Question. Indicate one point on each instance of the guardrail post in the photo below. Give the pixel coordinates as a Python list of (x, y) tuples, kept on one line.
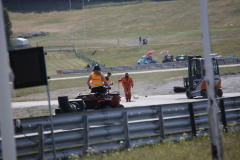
[(86, 133), (161, 122), (192, 119), (126, 130), (223, 115), (40, 142)]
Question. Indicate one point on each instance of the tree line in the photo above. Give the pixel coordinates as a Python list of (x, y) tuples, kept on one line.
[(8, 27), (51, 1)]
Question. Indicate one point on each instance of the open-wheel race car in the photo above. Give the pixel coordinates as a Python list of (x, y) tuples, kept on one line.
[(97, 100)]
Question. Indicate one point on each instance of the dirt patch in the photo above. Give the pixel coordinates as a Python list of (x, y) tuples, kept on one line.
[(32, 111)]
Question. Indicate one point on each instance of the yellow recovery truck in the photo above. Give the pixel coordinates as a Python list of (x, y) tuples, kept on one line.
[(195, 83)]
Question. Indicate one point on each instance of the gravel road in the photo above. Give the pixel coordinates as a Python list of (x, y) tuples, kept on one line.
[(230, 84)]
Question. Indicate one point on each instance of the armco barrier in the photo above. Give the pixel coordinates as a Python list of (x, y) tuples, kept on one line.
[(147, 66), (100, 130)]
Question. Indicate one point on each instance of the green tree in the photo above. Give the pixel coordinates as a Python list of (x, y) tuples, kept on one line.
[(8, 27)]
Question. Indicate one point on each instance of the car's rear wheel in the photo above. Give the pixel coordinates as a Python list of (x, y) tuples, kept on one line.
[(188, 94)]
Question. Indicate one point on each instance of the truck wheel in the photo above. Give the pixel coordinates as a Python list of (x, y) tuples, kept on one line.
[(220, 93), (188, 94), (204, 94)]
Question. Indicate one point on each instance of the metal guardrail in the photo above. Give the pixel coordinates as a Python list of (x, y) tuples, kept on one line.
[(100, 130), (141, 67), (85, 58), (60, 50)]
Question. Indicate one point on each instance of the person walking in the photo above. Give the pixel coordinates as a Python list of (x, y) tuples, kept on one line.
[(96, 80), (127, 83)]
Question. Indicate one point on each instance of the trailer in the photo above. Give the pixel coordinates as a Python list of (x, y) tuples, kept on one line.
[(20, 42)]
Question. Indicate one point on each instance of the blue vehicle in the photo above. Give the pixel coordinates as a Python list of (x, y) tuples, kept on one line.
[(146, 60)]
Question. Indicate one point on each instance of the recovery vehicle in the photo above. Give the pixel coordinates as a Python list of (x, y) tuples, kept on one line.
[(195, 83), (83, 102)]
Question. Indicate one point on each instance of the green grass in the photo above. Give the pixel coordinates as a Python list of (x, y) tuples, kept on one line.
[(197, 149), (63, 60), (229, 71), (169, 25)]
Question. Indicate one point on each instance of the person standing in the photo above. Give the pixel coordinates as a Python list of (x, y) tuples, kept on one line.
[(107, 77), (96, 80), (127, 83), (140, 40)]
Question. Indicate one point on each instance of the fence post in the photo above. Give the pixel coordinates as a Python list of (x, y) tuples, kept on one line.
[(126, 130), (161, 122), (41, 141), (192, 119), (223, 115), (86, 133)]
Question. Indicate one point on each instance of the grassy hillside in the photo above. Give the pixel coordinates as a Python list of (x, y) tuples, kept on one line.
[(58, 60), (112, 32)]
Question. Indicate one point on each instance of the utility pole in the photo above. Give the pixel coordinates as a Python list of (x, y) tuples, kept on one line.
[(213, 119), (84, 23), (6, 117), (70, 6)]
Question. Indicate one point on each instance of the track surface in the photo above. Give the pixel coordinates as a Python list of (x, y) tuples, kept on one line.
[(136, 101), (229, 85)]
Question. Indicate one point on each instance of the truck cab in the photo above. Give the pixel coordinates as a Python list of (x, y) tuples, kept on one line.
[(196, 81)]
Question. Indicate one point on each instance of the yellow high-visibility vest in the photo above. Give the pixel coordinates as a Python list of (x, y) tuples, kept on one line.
[(96, 80)]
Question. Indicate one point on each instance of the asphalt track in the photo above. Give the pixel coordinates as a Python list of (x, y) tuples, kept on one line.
[(136, 100)]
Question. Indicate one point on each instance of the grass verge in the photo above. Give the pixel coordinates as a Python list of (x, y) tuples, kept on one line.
[(196, 148)]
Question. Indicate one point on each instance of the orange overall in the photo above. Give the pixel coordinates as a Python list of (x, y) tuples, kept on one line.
[(127, 83)]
